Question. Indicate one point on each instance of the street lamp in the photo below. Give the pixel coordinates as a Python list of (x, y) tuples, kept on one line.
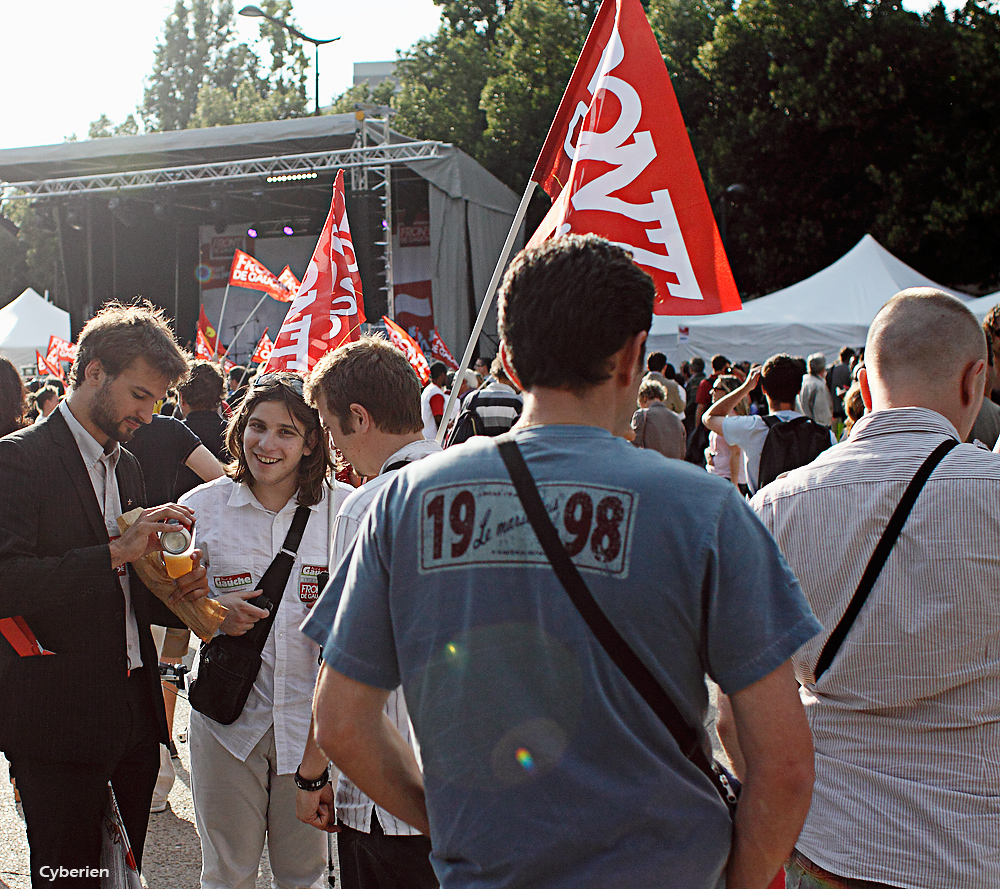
[(257, 12)]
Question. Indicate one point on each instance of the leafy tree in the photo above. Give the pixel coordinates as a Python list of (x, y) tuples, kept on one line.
[(103, 127), (362, 93), (30, 256)]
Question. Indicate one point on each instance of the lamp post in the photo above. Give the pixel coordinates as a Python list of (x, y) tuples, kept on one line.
[(257, 12)]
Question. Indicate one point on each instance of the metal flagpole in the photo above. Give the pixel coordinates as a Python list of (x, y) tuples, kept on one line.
[(222, 314), (236, 336), (487, 303)]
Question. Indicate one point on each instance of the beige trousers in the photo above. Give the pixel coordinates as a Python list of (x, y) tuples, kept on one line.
[(237, 804)]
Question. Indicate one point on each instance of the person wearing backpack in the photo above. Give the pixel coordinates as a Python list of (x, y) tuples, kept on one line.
[(777, 443)]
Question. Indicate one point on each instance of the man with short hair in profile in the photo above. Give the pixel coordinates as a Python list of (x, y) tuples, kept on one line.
[(542, 765), (903, 702)]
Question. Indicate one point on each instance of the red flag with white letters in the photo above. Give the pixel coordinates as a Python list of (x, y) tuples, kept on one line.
[(246, 271), (263, 350), (288, 279), (49, 369), (440, 351), (618, 162), (328, 308), (60, 350), (409, 347)]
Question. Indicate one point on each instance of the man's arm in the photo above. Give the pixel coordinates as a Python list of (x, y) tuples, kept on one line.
[(201, 461), (713, 417), (777, 749), (354, 732)]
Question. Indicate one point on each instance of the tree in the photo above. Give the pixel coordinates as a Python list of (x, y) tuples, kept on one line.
[(103, 127), (29, 250)]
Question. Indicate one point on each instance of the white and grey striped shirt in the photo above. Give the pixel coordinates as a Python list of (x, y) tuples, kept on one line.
[(906, 721)]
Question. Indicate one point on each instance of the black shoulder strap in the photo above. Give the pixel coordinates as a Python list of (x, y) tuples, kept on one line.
[(880, 555), (611, 641), (771, 421)]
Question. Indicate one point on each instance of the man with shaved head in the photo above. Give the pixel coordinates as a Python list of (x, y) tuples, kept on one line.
[(901, 689)]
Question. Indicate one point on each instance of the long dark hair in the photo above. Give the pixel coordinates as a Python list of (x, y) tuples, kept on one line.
[(285, 388), (12, 398)]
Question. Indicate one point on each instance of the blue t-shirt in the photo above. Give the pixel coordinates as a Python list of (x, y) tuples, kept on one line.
[(542, 766)]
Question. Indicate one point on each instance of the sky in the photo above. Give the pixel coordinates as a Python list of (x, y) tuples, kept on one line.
[(73, 61)]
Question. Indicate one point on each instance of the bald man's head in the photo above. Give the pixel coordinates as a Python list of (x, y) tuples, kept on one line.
[(920, 347)]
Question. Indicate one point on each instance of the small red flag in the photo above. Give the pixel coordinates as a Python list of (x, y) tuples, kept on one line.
[(207, 340), (288, 279), (253, 274), (439, 351), (60, 350), (328, 308), (263, 350), (408, 346), (49, 369), (618, 162)]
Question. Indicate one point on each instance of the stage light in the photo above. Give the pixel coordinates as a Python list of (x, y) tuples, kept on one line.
[(252, 232), (288, 230), (290, 177)]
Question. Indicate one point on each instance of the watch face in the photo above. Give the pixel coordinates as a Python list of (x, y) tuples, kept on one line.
[(175, 542)]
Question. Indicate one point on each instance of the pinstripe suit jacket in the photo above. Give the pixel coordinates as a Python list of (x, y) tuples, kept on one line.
[(55, 572)]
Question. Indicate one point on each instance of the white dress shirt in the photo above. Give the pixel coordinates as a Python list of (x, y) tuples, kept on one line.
[(240, 539), (101, 468)]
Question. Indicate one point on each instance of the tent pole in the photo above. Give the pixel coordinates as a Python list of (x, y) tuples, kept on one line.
[(487, 303)]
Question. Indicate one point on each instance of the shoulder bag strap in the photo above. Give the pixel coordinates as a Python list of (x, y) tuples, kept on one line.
[(879, 556), (611, 641), (272, 584)]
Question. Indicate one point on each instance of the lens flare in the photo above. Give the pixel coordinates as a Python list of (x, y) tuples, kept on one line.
[(525, 759), (203, 273)]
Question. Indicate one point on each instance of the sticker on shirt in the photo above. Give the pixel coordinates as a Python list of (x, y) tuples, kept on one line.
[(310, 584), (485, 524), (227, 583), (121, 570)]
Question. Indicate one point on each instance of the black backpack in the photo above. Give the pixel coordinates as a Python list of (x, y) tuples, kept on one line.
[(789, 445)]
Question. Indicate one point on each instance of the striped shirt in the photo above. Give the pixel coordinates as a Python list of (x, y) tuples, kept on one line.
[(906, 721)]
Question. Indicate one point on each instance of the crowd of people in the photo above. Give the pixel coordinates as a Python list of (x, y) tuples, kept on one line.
[(480, 654)]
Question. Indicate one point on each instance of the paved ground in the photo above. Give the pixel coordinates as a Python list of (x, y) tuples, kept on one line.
[(173, 852)]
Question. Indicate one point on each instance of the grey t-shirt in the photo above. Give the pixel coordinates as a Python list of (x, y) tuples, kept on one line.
[(542, 766)]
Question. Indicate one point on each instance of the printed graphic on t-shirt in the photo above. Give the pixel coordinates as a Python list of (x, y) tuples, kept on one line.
[(484, 524), (226, 583), (309, 584)]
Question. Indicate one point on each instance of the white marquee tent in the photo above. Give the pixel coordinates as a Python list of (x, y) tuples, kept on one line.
[(826, 311), (26, 325), (980, 307)]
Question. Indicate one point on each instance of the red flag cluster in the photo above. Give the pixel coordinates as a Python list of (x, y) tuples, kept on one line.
[(49, 368), (60, 350), (408, 346), (249, 272), (328, 308), (618, 162)]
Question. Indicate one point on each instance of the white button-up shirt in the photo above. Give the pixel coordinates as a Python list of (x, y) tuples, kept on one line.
[(906, 720), (240, 539), (101, 468)]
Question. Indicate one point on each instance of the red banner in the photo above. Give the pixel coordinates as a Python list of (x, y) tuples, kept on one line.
[(631, 175), (408, 346), (253, 274), (60, 350), (263, 350), (289, 281), (49, 369), (439, 351), (207, 340), (328, 308)]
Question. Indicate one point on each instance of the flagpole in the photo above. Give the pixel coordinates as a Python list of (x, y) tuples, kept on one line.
[(218, 330), (484, 310), (236, 336)]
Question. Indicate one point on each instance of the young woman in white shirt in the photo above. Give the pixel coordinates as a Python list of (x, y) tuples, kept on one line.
[(242, 774), (721, 458)]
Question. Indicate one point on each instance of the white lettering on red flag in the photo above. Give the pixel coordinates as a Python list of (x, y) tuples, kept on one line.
[(440, 351), (289, 281), (60, 350), (263, 350), (631, 175), (253, 274), (328, 308), (408, 346), (48, 369)]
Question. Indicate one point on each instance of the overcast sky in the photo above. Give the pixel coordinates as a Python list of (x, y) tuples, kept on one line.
[(65, 62)]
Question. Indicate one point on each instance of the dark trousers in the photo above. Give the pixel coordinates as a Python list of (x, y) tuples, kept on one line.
[(376, 861), (64, 801)]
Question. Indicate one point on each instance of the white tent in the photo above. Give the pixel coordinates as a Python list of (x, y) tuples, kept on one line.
[(26, 325), (830, 309), (980, 307)]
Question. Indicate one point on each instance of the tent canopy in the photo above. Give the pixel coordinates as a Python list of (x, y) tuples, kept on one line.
[(26, 325), (826, 311)]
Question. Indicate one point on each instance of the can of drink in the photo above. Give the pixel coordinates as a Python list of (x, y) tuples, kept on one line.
[(177, 545)]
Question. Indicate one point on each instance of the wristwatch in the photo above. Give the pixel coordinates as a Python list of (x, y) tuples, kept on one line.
[(314, 785)]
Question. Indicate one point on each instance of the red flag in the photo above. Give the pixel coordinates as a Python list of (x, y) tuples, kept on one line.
[(60, 350), (631, 174), (207, 340), (440, 351), (408, 346), (249, 272), (288, 279), (263, 350), (49, 369), (328, 308)]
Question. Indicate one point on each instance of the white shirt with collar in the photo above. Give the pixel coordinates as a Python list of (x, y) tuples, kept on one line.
[(240, 539), (101, 466)]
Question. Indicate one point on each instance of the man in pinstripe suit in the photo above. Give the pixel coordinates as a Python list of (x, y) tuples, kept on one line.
[(905, 718)]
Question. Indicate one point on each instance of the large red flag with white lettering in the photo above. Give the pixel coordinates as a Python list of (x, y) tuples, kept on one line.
[(328, 308), (254, 275), (618, 162), (440, 351), (409, 347), (60, 350)]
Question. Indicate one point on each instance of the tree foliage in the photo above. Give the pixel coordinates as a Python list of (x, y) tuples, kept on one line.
[(29, 257)]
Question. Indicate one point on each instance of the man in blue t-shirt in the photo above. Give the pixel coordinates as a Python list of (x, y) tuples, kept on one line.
[(541, 765)]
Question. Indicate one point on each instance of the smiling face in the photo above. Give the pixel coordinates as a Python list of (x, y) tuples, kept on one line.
[(274, 444), (120, 405)]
